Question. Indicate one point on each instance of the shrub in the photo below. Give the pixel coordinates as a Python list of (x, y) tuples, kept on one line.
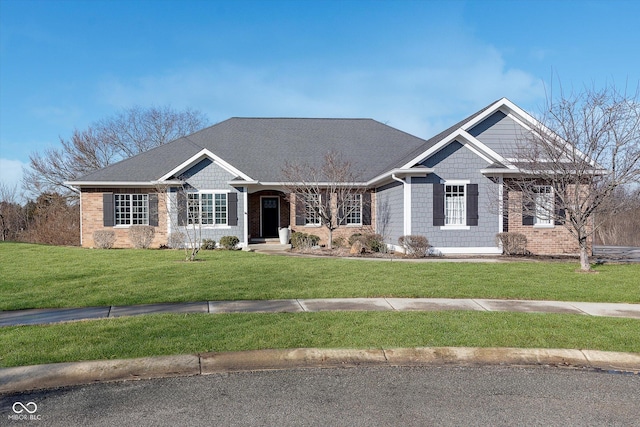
[(304, 240), (208, 244), (229, 242), (512, 243), (375, 243), (355, 237), (338, 242), (104, 239), (176, 240), (415, 246), (141, 235)]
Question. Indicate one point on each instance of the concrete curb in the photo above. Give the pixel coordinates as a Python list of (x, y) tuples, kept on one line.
[(27, 378)]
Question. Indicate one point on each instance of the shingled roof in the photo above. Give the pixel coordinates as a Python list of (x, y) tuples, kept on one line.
[(259, 147)]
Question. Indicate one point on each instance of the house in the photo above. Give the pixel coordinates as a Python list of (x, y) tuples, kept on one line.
[(449, 188)]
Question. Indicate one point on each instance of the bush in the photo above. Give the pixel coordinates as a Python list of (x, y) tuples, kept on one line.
[(304, 240), (141, 236), (415, 246), (372, 242), (338, 242), (355, 237), (104, 239), (208, 244), (375, 243), (176, 240), (512, 243), (229, 242)]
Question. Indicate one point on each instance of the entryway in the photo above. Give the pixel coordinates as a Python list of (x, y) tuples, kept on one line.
[(269, 216)]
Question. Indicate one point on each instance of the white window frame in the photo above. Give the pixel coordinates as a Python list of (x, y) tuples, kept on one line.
[(354, 207), (310, 212), (127, 219), (212, 221), (462, 223), (544, 207)]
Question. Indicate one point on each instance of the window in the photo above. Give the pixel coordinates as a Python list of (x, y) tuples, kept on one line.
[(131, 209), (543, 205), (207, 208), (353, 209), (454, 205), (311, 205)]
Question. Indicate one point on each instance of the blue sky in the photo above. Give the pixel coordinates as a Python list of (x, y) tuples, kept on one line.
[(419, 66)]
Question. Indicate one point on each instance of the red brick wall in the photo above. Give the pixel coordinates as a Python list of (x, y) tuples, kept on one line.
[(541, 241), (91, 200), (343, 231), (254, 211)]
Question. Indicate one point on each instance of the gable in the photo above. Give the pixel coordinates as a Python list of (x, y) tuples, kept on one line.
[(207, 175), (501, 133), (456, 161)]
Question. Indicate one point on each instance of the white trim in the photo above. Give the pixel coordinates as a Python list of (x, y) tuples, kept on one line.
[(477, 250), (245, 219), (457, 182), (455, 227), (168, 212), (400, 171), (113, 183), (355, 224), (204, 153), (269, 197), (500, 205), (407, 206), (81, 240), (214, 225)]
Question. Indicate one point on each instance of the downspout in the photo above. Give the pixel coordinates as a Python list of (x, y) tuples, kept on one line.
[(407, 203)]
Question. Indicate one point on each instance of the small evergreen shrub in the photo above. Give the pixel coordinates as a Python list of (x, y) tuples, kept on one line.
[(208, 244), (354, 237), (512, 243), (104, 239), (338, 242), (415, 246), (141, 236), (375, 243), (229, 242)]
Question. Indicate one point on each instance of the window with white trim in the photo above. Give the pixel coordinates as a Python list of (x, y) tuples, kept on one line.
[(544, 205), (207, 208), (311, 205), (353, 209), (131, 209), (454, 204)]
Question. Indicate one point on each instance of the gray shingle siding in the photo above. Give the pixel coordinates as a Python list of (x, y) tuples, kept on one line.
[(390, 211), (452, 163), (206, 175), (500, 133)]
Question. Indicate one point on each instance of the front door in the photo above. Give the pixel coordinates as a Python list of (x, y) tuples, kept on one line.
[(270, 211)]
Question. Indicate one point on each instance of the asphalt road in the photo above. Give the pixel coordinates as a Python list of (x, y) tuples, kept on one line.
[(347, 397)]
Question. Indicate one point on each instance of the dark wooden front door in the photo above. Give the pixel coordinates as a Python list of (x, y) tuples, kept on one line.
[(270, 211)]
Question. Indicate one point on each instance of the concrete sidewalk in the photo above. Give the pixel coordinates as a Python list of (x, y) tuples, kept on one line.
[(56, 315)]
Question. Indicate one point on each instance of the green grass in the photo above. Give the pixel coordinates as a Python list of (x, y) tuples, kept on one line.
[(36, 276), (193, 333)]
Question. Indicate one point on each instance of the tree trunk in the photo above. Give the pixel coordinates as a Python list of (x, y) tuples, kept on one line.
[(584, 254), (330, 242)]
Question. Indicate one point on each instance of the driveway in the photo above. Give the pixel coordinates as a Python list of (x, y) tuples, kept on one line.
[(617, 253)]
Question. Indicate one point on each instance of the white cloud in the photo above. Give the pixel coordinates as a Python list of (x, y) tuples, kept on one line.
[(422, 96)]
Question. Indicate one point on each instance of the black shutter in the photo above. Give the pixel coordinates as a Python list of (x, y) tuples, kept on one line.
[(366, 209), (300, 209), (472, 204), (232, 209), (528, 208), (153, 210), (108, 210), (438, 205), (505, 210), (183, 210), (560, 213)]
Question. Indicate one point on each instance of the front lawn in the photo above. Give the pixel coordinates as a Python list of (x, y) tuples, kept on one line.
[(37, 276), (166, 334)]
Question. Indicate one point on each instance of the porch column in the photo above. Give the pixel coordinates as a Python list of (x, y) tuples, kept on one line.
[(245, 203)]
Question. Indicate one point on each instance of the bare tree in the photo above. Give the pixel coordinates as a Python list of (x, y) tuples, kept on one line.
[(327, 194), (52, 220), (12, 218), (585, 146), (115, 138), (184, 216)]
